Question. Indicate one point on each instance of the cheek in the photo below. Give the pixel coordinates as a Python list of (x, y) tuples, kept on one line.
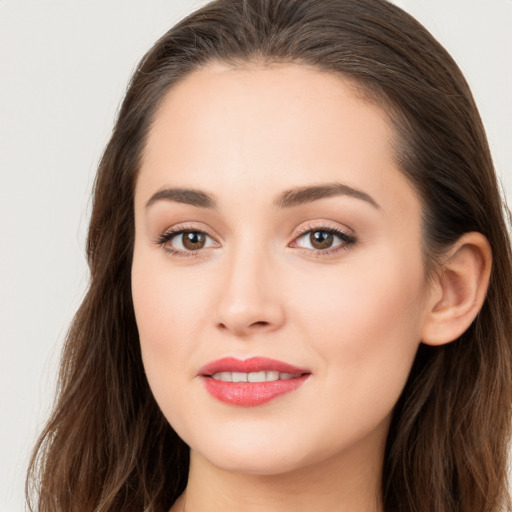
[(153, 311), (165, 310), (166, 303), (165, 314), (359, 300), (365, 323)]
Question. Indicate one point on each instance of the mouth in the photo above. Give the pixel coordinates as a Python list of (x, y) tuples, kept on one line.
[(250, 366), (251, 382), (270, 376)]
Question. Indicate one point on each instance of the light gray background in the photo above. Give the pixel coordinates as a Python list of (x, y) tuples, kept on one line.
[(64, 66)]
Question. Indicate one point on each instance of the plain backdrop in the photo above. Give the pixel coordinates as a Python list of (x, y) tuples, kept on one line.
[(64, 66)]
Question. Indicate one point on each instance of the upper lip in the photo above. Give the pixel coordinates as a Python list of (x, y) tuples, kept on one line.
[(253, 364)]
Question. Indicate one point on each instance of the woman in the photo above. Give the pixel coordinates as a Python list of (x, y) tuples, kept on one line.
[(300, 278)]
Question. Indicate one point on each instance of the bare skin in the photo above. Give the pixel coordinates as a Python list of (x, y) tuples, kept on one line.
[(352, 310)]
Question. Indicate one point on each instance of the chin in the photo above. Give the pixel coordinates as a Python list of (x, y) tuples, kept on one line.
[(254, 460), (258, 451)]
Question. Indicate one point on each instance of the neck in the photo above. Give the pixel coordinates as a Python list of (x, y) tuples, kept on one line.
[(347, 482)]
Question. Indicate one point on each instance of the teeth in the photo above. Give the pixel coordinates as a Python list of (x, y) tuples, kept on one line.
[(256, 377), (252, 376), (272, 376), (239, 377)]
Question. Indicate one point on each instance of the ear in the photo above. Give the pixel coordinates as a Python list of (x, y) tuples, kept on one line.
[(458, 290)]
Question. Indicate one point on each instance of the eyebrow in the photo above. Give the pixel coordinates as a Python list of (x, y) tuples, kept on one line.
[(303, 195), (288, 199), (184, 195)]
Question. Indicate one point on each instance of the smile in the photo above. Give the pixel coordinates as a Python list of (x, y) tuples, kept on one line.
[(251, 382), (252, 377)]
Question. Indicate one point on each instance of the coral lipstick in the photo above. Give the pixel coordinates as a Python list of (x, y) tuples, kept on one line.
[(250, 382), (254, 364)]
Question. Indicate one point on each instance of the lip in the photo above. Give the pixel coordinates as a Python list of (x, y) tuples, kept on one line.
[(250, 394), (253, 364)]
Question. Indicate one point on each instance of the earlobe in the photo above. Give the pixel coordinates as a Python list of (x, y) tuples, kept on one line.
[(459, 290)]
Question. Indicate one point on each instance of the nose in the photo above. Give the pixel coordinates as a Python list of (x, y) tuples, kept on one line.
[(249, 301)]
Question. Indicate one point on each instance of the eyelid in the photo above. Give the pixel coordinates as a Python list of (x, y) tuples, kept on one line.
[(179, 228), (170, 233), (321, 225), (344, 234)]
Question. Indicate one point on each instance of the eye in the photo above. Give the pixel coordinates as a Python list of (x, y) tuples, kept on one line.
[(184, 241), (324, 239)]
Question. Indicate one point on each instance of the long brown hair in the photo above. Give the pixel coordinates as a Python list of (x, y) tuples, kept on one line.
[(107, 446)]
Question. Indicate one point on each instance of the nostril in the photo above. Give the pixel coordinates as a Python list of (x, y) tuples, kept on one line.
[(259, 324), (240, 329)]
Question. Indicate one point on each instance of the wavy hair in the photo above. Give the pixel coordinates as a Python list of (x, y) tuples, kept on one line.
[(107, 447)]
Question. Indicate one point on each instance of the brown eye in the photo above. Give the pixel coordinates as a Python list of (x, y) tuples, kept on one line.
[(185, 241), (324, 240), (193, 240), (321, 239)]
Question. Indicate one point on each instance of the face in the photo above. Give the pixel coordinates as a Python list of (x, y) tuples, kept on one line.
[(275, 239)]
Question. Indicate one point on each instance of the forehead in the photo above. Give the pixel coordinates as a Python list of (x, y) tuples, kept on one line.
[(267, 104), (254, 128)]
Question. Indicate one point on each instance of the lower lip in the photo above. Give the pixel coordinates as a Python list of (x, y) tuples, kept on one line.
[(250, 394)]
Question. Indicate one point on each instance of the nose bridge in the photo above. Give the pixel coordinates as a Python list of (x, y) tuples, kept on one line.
[(249, 298)]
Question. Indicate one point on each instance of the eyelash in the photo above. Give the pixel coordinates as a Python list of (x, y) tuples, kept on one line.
[(346, 240), (168, 235)]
